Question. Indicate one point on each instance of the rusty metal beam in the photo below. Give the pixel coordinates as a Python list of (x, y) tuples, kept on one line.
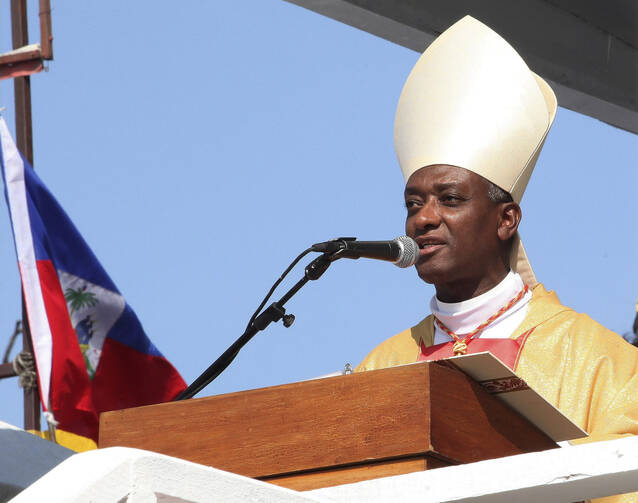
[(6, 370), (46, 36), (31, 395), (20, 57), (24, 141), (22, 85)]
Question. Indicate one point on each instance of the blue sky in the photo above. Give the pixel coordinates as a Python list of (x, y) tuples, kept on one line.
[(200, 149)]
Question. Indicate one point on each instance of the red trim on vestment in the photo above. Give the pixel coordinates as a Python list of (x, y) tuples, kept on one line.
[(506, 350), (523, 339)]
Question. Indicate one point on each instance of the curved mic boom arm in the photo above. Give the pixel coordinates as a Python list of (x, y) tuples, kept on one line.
[(273, 313)]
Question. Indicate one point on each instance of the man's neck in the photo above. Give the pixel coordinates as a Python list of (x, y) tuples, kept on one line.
[(461, 290), (505, 305)]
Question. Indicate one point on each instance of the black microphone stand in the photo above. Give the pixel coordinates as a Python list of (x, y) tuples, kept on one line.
[(273, 313)]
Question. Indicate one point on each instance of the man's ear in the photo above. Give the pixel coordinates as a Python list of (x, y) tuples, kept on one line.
[(509, 217)]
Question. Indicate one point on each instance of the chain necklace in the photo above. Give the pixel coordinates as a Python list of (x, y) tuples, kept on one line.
[(461, 341)]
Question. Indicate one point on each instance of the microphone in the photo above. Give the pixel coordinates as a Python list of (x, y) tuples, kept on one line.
[(402, 251)]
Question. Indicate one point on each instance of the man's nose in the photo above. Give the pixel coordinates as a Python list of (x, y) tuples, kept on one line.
[(428, 215)]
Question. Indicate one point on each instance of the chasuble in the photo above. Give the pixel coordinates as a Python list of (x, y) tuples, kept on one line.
[(582, 368)]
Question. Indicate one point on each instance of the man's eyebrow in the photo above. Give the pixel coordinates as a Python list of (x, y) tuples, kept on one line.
[(438, 187), (446, 185)]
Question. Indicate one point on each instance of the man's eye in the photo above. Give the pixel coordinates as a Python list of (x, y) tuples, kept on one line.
[(450, 198), (411, 204)]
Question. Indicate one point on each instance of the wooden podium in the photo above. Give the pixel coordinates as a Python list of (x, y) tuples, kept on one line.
[(335, 430)]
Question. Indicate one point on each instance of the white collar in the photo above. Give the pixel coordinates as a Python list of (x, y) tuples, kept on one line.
[(463, 317)]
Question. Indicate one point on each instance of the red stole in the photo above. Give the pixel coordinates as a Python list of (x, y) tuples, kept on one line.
[(506, 350)]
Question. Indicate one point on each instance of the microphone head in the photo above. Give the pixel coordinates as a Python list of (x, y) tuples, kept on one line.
[(409, 251)]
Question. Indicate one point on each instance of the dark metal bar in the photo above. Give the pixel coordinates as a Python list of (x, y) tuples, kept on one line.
[(21, 57), (31, 395), (22, 85), (19, 33), (46, 36), (24, 140), (6, 370), (24, 134)]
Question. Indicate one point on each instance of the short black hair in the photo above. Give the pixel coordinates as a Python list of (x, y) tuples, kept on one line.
[(496, 194)]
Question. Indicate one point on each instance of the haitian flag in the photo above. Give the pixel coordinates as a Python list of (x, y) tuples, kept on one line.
[(91, 352)]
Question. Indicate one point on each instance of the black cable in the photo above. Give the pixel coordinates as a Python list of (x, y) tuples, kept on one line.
[(276, 284), (259, 321)]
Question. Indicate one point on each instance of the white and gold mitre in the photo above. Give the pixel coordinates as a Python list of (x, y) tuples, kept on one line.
[(472, 102)]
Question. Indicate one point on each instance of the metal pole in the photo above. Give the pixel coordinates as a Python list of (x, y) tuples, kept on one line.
[(22, 85), (46, 38), (24, 139)]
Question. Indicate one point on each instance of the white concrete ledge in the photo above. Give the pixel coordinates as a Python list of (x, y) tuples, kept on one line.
[(123, 475), (560, 475)]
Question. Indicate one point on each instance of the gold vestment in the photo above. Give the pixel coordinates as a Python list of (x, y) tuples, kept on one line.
[(585, 370)]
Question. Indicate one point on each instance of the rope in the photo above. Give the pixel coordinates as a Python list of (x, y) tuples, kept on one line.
[(24, 367), (50, 419), (52, 425), (461, 341)]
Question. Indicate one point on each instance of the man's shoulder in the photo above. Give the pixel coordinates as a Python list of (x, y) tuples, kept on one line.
[(400, 349), (544, 308), (547, 311)]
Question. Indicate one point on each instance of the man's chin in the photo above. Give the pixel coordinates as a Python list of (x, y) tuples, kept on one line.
[(431, 275)]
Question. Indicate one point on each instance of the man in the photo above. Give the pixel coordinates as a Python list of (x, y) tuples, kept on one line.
[(470, 124)]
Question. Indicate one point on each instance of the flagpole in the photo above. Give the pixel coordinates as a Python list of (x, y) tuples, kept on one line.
[(24, 142)]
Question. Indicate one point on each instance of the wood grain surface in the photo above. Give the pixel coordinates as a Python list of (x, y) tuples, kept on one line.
[(468, 424), (367, 425), (305, 481)]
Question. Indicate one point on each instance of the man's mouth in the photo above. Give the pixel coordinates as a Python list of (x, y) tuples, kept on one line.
[(429, 245)]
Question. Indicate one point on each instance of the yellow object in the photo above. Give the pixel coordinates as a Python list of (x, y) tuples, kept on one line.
[(585, 370), (69, 440), (471, 101)]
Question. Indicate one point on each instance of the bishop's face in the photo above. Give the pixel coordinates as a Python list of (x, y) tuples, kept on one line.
[(455, 225)]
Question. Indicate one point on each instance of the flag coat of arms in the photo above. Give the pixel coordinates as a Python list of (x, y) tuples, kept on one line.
[(91, 352)]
